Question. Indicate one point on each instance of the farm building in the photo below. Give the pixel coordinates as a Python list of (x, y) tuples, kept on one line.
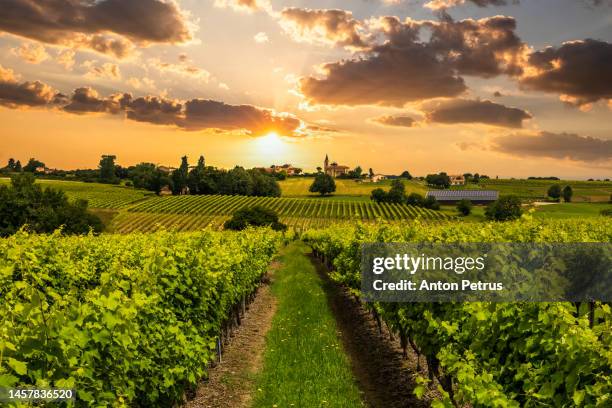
[(454, 196), (457, 180), (377, 177)]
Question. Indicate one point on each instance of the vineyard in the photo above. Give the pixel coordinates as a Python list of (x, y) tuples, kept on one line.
[(126, 320), (491, 354), (97, 195), (288, 207)]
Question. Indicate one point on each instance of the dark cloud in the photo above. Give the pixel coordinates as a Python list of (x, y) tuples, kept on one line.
[(106, 26), (152, 109), (14, 94), (391, 76), (203, 114), (476, 111), (336, 27), (403, 68), (444, 4), (556, 146), (87, 100), (578, 70), (194, 115), (395, 120)]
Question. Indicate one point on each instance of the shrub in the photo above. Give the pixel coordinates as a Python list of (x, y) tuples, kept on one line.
[(464, 207), (431, 203), (567, 194), (379, 195), (257, 217), (415, 199), (42, 210), (554, 192), (606, 213), (505, 209)]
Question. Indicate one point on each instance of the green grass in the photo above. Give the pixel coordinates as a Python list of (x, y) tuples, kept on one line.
[(570, 210), (97, 195), (304, 363), (476, 215), (584, 191), (298, 187)]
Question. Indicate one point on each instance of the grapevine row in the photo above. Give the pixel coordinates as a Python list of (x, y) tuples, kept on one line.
[(491, 354)]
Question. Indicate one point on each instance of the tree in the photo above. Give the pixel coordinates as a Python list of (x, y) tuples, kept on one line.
[(257, 216), (11, 164), (371, 172), (415, 199), (406, 174), (264, 185), (431, 203), (554, 192), (397, 193), (195, 175), (476, 178), (180, 177), (18, 166), (107, 169), (567, 194), (323, 184), (32, 165), (438, 180), (504, 209), (42, 210), (464, 207), (379, 195), (355, 173), (319, 169)]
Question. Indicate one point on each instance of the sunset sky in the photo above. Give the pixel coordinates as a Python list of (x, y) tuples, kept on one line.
[(503, 87)]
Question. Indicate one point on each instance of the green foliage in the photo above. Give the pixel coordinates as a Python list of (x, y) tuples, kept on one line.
[(554, 191), (504, 209), (440, 180), (179, 177), (42, 210), (147, 176), (397, 193), (431, 203), (125, 320), (493, 354), (256, 217), (415, 199), (464, 207), (606, 213), (31, 165), (323, 184), (567, 194), (107, 169), (406, 175)]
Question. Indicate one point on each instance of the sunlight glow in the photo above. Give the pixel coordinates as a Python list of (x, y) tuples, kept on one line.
[(271, 143)]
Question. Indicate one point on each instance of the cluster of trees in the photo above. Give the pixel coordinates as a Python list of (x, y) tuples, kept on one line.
[(441, 180), (42, 210), (555, 192), (202, 179), (542, 178), (257, 216), (14, 166), (397, 195)]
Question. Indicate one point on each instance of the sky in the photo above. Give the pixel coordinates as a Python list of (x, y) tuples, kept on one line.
[(508, 88)]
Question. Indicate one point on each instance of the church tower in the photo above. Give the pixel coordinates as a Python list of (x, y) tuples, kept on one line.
[(325, 163)]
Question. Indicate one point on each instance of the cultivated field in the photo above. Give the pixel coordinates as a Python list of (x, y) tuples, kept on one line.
[(584, 191), (97, 195), (298, 187)]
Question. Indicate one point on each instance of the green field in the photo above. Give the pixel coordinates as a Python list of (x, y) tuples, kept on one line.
[(97, 195), (584, 191), (298, 187), (571, 210)]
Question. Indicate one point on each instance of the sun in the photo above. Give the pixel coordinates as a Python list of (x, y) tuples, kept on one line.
[(271, 143)]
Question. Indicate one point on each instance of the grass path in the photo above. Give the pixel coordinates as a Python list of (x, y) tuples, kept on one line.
[(304, 363)]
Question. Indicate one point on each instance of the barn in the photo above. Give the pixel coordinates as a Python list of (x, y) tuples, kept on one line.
[(454, 196)]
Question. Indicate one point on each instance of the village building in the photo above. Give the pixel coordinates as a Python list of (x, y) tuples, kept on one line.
[(334, 169), (457, 179), (166, 169), (377, 177), (287, 168)]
